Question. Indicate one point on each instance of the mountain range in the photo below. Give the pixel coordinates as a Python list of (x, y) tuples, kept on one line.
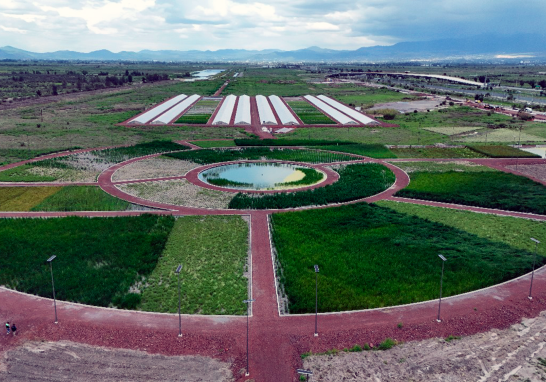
[(485, 46)]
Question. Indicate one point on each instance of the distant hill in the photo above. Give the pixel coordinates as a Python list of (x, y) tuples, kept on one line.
[(481, 46)]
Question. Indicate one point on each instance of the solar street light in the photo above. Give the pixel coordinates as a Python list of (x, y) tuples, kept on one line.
[(537, 242), (441, 284), (178, 269), (316, 299), (247, 302), (50, 260)]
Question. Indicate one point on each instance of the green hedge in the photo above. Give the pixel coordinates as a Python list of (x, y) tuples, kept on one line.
[(288, 142), (498, 151), (258, 153), (98, 259), (356, 181), (372, 257), (483, 189)]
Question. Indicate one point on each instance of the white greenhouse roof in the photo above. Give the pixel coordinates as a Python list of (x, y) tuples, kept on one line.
[(336, 114), (154, 112), (223, 117), (347, 110), (264, 110), (243, 111), (284, 114), (171, 114)]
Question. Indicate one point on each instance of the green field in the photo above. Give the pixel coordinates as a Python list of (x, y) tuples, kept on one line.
[(212, 144), (494, 151), (482, 189), (24, 198), (372, 151), (309, 114), (436, 152), (100, 261), (81, 198), (213, 251), (194, 119), (372, 257)]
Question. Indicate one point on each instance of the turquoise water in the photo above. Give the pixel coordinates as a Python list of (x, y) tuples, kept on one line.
[(260, 176)]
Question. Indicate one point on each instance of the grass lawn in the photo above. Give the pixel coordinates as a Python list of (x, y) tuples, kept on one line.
[(503, 152), (100, 261), (213, 251), (483, 189), (503, 229), (459, 166), (194, 119), (24, 198), (371, 257), (24, 173), (209, 144), (81, 198)]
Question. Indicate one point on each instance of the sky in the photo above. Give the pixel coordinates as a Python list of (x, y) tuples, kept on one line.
[(134, 25)]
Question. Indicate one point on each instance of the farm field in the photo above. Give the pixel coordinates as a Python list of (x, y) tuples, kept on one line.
[(84, 166), (406, 246), (24, 198), (120, 252), (309, 114), (503, 135), (365, 96), (74, 198), (497, 151), (481, 189), (212, 144), (451, 130), (440, 167), (200, 113), (373, 151), (213, 251)]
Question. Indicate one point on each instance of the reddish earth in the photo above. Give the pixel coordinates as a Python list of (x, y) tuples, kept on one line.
[(276, 342)]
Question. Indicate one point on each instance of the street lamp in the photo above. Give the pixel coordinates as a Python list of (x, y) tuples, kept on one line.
[(537, 242), (441, 283), (178, 269), (50, 260), (316, 299), (247, 302)]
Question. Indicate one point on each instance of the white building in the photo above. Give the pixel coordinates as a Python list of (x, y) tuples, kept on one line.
[(171, 114), (335, 114), (347, 110), (267, 117), (242, 117), (223, 117), (284, 114), (154, 112)]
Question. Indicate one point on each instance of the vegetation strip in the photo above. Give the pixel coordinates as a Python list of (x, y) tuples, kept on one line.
[(497, 151), (24, 198), (482, 189), (372, 257), (259, 153), (356, 181), (88, 198), (213, 251), (119, 252)]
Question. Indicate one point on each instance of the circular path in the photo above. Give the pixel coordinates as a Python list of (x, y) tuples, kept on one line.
[(276, 341)]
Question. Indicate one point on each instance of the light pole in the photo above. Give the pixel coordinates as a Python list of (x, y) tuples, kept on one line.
[(50, 260), (316, 299), (537, 242), (441, 283), (247, 302), (178, 269)]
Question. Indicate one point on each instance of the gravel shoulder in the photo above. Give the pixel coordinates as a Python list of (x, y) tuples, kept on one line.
[(535, 170), (514, 354), (178, 192), (57, 361)]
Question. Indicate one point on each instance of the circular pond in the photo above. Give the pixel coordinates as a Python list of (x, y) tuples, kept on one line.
[(261, 176)]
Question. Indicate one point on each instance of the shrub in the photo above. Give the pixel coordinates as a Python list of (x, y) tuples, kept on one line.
[(389, 343), (356, 348)]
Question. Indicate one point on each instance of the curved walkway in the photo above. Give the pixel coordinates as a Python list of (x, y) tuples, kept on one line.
[(276, 341)]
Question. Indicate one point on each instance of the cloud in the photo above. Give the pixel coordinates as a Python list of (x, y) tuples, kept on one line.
[(117, 25)]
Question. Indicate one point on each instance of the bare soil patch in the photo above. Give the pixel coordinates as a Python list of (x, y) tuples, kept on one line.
[(514, 354), (158, 167), (58, 361), (535, 170), (178, 192)]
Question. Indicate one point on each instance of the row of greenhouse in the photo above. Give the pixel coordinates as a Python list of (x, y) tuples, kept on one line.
[(237, 110)]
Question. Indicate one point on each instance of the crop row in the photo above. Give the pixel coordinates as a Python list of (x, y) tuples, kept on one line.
[(309, 114)]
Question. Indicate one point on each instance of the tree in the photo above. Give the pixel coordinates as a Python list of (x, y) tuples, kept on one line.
[(54, 90), (532, 83), (542, 84), (84, 72)]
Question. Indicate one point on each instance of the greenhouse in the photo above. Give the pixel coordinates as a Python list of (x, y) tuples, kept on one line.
[(286, 117), (242, 117), (154, 112), (347, 110), (223, 117), (264, 110), (335, 114), (175, 111)]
